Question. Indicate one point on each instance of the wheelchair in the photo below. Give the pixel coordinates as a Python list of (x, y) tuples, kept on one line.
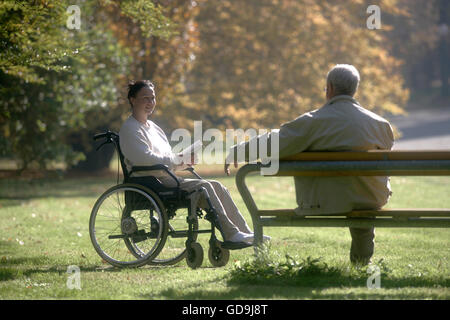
[(142, 222)]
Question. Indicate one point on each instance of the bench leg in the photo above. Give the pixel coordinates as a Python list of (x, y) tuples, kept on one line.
[(258, 236)]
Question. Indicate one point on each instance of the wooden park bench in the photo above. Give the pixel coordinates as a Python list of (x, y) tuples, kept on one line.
[(367, 163)]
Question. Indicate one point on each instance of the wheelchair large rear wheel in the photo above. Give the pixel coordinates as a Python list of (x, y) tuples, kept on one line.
[(128, 226)]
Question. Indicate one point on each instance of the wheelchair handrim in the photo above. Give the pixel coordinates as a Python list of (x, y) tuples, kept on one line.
[(159, 243)]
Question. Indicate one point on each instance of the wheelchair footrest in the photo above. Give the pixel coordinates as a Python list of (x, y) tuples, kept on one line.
[(235, 245)]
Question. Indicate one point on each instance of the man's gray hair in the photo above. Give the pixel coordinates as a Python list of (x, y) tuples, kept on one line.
[(344, 78)]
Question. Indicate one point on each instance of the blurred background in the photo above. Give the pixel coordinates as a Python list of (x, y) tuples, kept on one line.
[(229, 63)]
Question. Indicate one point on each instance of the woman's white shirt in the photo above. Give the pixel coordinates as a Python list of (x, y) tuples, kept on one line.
[(145, 145)]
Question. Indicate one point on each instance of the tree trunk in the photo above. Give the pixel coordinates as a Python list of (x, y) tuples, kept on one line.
[(95, 160), (443, 47)]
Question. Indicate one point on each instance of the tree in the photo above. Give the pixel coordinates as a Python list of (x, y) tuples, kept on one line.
[(165, 60), (55, 80), (29, 40), (263, 62), (33, 52), (414, 38), (163, 57)]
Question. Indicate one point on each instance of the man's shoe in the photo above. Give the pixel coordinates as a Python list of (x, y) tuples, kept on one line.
[(360, 262)]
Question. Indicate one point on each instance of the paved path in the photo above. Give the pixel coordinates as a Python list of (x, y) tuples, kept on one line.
[(423, 129)]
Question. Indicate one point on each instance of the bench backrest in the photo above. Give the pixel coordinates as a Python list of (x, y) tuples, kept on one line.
[(367, 163), (371, 155)]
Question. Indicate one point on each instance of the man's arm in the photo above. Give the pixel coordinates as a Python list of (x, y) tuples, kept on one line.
[(293, 137), (390, 137)]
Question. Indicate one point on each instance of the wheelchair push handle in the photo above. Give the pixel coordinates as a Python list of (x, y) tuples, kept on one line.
[(109, 135), (99, 136)]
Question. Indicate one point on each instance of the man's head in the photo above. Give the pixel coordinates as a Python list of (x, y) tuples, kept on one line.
[(342, 79)]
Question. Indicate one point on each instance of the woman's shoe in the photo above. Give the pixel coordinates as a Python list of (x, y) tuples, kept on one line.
[(242, 237), (265, 238)]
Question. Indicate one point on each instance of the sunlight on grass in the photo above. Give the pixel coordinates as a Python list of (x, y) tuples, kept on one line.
[(44, 229)]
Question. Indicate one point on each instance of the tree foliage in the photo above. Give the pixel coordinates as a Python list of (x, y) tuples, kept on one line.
[(241, 64), (29, 39), (163, 60), (416, 37), (263, 62), (56, 83), (162, 56)]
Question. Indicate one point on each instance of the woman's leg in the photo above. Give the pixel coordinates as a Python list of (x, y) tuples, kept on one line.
[(228, 204), (229, 229)]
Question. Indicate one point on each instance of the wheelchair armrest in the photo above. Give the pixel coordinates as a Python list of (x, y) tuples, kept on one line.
[(150, 168), (192, 171), (153, 168)]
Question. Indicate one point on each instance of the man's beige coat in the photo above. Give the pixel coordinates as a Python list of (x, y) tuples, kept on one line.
[(339, 125)]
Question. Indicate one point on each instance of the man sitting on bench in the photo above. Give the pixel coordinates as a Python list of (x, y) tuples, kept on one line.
[(341, 124)]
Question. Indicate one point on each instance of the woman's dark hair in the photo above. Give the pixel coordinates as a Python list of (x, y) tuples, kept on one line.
[(135, 86)]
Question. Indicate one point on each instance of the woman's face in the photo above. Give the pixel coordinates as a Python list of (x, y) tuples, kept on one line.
[(145, 101)]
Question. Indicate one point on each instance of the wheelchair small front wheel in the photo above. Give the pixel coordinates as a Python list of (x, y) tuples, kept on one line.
[(194, 257), (218, 256), (175, 247)]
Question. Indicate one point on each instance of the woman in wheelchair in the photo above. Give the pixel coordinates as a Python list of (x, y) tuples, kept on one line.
[(143, 143)]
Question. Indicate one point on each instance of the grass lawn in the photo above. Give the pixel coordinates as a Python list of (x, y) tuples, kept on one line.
[(44, 229)]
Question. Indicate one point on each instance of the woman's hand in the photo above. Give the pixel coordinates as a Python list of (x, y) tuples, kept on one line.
[(191, 162), (227, 169), (193, 159)]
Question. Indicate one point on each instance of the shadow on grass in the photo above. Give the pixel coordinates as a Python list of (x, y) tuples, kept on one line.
[(269, 277), (16, 192), (307, 287), (333, 280), (12, 269)]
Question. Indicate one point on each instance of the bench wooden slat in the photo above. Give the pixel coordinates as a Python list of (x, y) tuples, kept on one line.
[(399, 213), (363, 173), (371, 155), (364, 168), (336, 222)]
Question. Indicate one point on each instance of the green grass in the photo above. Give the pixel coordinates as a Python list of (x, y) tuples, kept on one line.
[(44, 229)]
